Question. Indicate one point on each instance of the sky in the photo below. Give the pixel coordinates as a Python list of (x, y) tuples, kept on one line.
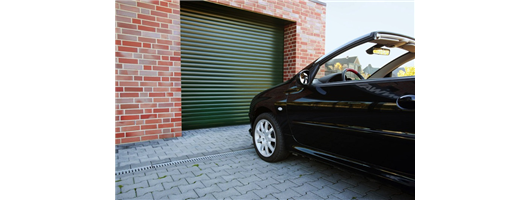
[(347, 20)]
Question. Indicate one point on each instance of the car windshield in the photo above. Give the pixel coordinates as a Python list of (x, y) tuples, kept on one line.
[(364, 63)]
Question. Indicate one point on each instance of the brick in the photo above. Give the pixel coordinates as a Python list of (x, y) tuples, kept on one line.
[(147, 78), (149, 137), (129, 8), (127, 37), (128, 106), (130, 66), (129, 95), (169, 135), (160, 46), (145, 5), (149, 23), (155, 57), (151, 126), (161, 68), (125, 25), (165, 63), (131, 32), (147, 62), (128, 83), (136, 21), (128, 60), (158, 13), (150, 34), (166, 31), (123, 54), (164, 9), (127, 49), (148, 116), (128, 112), (153, 121), (133, 44), (146, 17), (130, 117), (148, 51), (149, 40), (161, 110), (164, 20), (157, 94), (123, 19), (151, 132), (134, 133), (126, 13), (128, 140), (146, 28)]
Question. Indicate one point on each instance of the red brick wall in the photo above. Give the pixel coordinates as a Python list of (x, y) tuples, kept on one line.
[(148, 104), (148, 84)]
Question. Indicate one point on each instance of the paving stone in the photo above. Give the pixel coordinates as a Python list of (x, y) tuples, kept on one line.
[(212, 181), (169, 185), (147, 196), (244, 189), (126, 188), (160, 180), (303, 189), (229, 184), (128, 181), (138, 179), (325, 192), (289, 193), (249, 179), (218, 174), (165, 193), (246, 196), (141, 191), (304, 179), (320, 183), (347, 194), (267, 182), (126, 195), (310, 196), (403, 196), (230, 192), (242, 175), (374, 195), (160, 161), (262, 193), (207, 190), (186, 188), (186, 195), (285, 185), (341, 186)]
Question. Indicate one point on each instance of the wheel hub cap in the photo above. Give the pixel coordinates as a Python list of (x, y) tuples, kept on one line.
[(265, 138)]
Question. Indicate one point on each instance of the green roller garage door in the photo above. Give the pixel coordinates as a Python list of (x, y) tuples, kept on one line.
[(228, 56)]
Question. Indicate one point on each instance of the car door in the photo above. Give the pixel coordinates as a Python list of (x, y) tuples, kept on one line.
[(356, 122)]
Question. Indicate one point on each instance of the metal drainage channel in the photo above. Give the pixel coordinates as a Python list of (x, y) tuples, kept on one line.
[(180, 162)]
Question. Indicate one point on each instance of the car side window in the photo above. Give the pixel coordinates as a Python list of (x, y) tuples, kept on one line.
[(357, 64), (408, 69)]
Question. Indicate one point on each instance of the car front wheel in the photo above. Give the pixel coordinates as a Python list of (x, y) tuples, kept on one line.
[(268, 139)]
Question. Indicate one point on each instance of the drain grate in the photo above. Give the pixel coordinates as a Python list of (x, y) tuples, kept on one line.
[(127, 171)]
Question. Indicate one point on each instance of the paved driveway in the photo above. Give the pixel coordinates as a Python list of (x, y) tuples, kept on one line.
[(220, 163)]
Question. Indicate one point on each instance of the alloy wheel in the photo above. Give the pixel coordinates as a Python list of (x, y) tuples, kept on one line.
[(265, 138)]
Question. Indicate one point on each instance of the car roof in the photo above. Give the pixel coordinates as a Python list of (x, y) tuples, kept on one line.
[(392, 40), (384, 38)]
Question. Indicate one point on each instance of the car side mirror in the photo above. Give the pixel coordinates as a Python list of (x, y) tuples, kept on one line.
[(303, 77)]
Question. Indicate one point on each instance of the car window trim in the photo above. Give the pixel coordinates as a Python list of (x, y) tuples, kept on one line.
[(377, 80)]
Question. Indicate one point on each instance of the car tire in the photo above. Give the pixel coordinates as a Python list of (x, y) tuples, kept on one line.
[(268, 139)]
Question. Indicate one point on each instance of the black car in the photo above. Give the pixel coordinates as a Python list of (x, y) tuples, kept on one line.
[(353, 108)]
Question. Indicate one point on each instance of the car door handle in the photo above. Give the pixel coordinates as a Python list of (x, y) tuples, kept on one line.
[(406, 102)]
